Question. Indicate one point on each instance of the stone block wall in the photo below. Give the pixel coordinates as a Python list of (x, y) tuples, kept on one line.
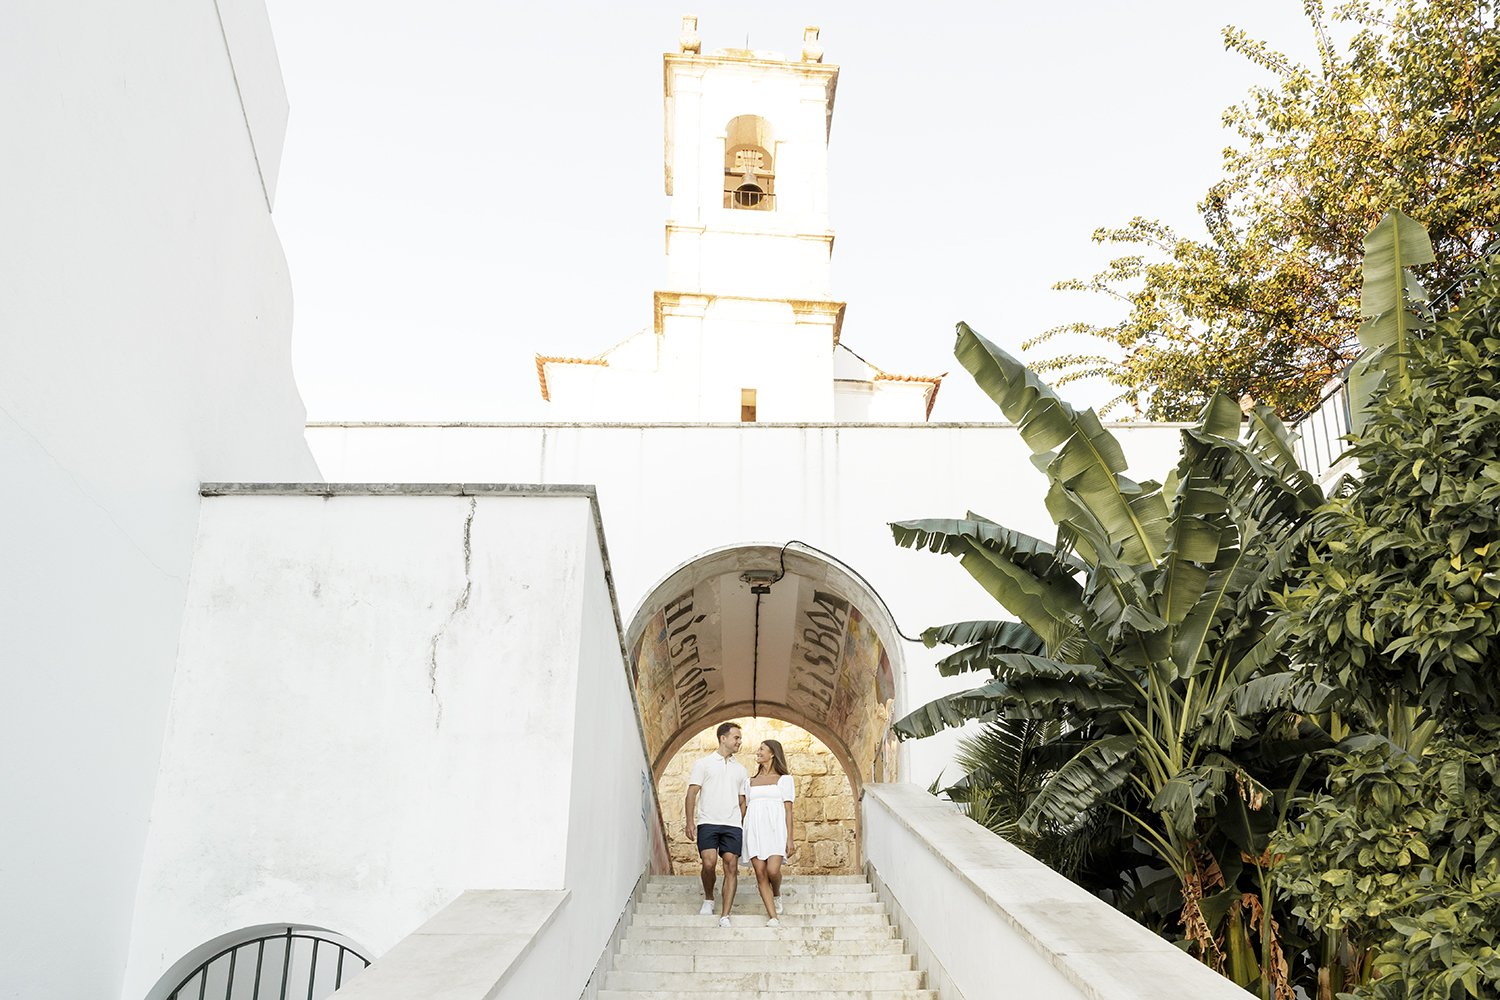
[(823, 818)]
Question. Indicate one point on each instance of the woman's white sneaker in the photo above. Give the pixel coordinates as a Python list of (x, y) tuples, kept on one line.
[(723, 921), (706, 909), (778, 905), (773, 922)]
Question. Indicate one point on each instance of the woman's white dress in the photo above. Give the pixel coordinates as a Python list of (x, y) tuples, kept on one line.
[(765, 817)]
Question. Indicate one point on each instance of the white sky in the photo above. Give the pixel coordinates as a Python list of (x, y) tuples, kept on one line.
[(466, 184)]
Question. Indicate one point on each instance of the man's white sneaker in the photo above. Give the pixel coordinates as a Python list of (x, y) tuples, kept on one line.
[(707, 908), (778, 904), (773, 922), (723, 921)]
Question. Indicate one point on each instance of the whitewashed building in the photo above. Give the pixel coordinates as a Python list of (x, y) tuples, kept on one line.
[(271, 719)]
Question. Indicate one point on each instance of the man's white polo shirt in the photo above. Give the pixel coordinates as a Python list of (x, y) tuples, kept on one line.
[(720, 780)]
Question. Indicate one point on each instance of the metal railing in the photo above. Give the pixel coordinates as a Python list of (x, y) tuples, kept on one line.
[(754, 201), (1320, 431), (273, 967)]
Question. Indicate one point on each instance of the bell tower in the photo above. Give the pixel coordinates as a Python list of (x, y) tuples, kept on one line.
[(745, 327), (747, 169)]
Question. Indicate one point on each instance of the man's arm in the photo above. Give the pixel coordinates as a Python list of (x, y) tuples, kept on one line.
[(689, 807)]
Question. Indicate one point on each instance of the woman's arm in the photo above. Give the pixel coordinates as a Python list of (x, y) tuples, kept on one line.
[(791, 846)]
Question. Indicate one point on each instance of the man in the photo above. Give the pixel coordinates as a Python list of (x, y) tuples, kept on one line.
[(715, 810)]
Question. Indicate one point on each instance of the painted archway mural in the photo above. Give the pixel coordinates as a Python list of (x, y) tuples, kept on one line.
[(767, 630)]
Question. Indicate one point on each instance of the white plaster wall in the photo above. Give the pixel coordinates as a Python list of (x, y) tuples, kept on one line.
[(145, 318), (670, 492), (612, 817), (374, 711)]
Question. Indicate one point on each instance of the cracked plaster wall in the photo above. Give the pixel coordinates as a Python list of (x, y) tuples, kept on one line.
[(375, 709)]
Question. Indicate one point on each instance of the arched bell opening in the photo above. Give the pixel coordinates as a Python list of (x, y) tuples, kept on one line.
[(765, 631), (749, 164)]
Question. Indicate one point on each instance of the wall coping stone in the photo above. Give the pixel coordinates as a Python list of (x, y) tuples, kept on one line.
[(466, 951), (1107, 955), (708, 425)]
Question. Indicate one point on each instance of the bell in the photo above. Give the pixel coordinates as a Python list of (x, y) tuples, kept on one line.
[(748, 193)]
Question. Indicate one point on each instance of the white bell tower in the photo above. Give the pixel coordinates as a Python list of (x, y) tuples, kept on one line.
[(745, 327), (747, 171), (747, 299)]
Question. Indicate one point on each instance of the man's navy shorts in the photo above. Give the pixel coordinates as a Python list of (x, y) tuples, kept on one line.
[(724, 839)]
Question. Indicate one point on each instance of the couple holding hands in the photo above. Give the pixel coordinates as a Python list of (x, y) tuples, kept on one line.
[(732, 814)]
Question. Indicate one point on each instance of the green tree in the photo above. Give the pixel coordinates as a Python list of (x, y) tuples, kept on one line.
[(1396, 861), (1266, 305), (1145, 649)]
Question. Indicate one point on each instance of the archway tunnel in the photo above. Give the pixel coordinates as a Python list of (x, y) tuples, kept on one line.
[(790, 644)]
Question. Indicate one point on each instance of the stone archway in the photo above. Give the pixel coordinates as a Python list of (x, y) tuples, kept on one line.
[(768, 631)]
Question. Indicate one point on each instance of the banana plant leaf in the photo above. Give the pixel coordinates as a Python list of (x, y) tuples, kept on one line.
[(948, 535), (1193, 792), (1034, 688), (1389, 299), (982, 642), (1088, 460), (1091, 776)]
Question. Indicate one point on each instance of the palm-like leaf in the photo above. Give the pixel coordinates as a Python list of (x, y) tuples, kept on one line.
[(1029, 577), (1028, 687), (1095, 773), (1389, 300), (983, 642), (1088, 459)]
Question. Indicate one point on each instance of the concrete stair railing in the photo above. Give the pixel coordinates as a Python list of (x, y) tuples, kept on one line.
[(835, 942)]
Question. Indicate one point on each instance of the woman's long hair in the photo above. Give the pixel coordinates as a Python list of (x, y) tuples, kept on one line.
[(778, 757)]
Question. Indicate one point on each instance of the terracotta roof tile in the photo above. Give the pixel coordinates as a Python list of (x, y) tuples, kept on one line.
[(543, 360)]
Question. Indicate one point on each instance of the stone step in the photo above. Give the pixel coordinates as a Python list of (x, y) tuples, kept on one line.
[(835, 942), (701, 962), (842, 893), (798, 907), (763, 982), (742, 930), (800, 879), (611, 994), (789, 947), (789, 919)]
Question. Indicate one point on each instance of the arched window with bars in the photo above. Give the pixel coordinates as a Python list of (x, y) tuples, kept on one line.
[(265, 963)]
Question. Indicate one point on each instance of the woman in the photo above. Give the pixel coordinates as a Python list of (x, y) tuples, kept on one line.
[(768, 823)]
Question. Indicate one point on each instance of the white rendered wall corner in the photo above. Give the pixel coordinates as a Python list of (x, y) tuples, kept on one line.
[(382, 701), (145, 327)]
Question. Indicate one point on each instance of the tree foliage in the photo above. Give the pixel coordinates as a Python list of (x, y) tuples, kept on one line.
[(1399, 601), (1267, 304), (1396, 862)]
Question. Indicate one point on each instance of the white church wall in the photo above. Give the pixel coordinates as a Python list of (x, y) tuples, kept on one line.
[(145, 324), (670, 492), (377, 706)]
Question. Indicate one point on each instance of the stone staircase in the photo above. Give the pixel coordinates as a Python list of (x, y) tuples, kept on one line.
[(835, 942)]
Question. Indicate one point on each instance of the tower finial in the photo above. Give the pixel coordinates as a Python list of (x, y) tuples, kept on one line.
[(689, 41), (812, 49)]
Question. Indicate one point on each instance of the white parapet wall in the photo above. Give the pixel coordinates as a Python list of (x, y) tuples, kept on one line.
[(386, 697), (989, 922), (671, 492), (145, 333)]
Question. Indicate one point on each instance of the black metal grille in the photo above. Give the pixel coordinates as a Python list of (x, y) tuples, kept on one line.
[(291, 965)]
